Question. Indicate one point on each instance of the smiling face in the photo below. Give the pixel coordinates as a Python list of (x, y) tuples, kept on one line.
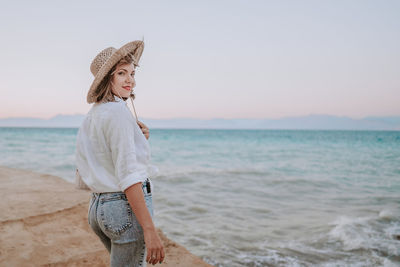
[(123, 80)]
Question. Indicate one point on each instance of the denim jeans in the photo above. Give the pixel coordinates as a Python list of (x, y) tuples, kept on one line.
[(111, 218)]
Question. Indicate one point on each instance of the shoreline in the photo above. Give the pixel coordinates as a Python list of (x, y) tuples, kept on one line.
[(43, 221)]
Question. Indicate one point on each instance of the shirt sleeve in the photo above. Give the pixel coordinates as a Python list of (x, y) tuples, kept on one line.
[(119, 134)]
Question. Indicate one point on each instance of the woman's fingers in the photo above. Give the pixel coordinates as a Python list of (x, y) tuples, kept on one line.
[(150, 254), (155, 255), (141, 124), (159, 255), (162, 255), (157, 252), (144, 129), (146, 134)]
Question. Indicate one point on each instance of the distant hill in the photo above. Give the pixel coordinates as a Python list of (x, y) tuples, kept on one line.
[(317, 122)]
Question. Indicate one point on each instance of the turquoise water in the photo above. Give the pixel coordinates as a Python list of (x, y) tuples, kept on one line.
[(258, 197)]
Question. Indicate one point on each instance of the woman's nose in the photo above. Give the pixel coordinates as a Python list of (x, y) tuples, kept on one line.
[(130, 79)]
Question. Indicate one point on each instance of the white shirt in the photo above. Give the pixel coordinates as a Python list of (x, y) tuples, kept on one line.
[(112, 153)]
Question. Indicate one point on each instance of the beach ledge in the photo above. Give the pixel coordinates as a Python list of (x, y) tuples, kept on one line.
[(43, 222)]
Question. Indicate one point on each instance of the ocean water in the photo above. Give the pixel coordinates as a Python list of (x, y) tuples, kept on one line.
[(258, 197)]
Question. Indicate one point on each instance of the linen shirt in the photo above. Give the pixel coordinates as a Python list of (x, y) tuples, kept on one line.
[(112, 153)]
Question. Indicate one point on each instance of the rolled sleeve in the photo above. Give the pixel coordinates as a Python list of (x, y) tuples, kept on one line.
[(119, 134)]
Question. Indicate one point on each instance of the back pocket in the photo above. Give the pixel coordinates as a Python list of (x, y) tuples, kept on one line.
[(115, 215)]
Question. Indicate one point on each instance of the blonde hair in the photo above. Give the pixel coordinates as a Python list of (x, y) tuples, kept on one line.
[(103, 92)]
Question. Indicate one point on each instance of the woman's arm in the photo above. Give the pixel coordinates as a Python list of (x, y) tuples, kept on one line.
[(119, 131), (154, 246)]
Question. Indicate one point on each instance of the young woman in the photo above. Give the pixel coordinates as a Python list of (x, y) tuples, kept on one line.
[(113, 160)]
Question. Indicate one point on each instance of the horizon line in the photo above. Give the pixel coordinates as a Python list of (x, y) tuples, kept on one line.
[(249, 118)]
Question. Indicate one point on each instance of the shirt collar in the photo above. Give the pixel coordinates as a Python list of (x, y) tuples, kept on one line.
[(117, 99)]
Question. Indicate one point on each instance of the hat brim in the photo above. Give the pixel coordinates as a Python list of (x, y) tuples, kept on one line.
[(135, 48)]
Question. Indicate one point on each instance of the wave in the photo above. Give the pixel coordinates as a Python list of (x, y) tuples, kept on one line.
[(379, 235)]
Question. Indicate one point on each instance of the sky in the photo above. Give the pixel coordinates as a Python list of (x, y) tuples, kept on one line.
[(206, 59)]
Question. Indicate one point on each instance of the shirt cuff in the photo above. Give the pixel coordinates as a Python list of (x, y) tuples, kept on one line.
[(134, 178)]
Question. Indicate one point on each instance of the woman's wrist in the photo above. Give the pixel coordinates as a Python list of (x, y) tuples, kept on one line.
[(149, 228)]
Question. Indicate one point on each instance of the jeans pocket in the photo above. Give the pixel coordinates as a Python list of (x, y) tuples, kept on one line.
[(115, 216)]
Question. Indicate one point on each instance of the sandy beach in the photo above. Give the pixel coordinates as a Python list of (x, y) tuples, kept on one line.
[(43, 222)]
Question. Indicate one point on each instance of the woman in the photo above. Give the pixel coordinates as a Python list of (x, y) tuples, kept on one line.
[(113, 160)]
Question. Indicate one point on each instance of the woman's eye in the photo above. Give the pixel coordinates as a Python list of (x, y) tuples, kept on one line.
[(133, 74), (120, 73)]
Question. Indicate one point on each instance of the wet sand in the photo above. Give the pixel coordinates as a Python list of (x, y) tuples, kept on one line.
[(43, 222)]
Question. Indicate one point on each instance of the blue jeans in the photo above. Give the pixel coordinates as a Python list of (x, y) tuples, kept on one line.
[(112, 219)]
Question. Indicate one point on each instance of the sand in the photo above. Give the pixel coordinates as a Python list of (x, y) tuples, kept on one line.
[(43, 222)]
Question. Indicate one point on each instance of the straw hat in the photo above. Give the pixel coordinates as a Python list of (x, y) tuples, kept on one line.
[(106, 59)]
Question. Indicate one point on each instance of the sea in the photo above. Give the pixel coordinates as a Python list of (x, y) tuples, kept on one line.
[(257, 197)]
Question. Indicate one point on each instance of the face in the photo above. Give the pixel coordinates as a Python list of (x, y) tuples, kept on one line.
[(123, 80)]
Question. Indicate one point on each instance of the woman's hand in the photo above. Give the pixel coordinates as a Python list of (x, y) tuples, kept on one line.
[(155, 249), (144, 128)]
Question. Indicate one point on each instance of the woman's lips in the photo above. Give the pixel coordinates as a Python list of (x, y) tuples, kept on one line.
[(127, 88)]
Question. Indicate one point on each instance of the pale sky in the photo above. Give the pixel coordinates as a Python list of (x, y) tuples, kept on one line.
[(206, 59)]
